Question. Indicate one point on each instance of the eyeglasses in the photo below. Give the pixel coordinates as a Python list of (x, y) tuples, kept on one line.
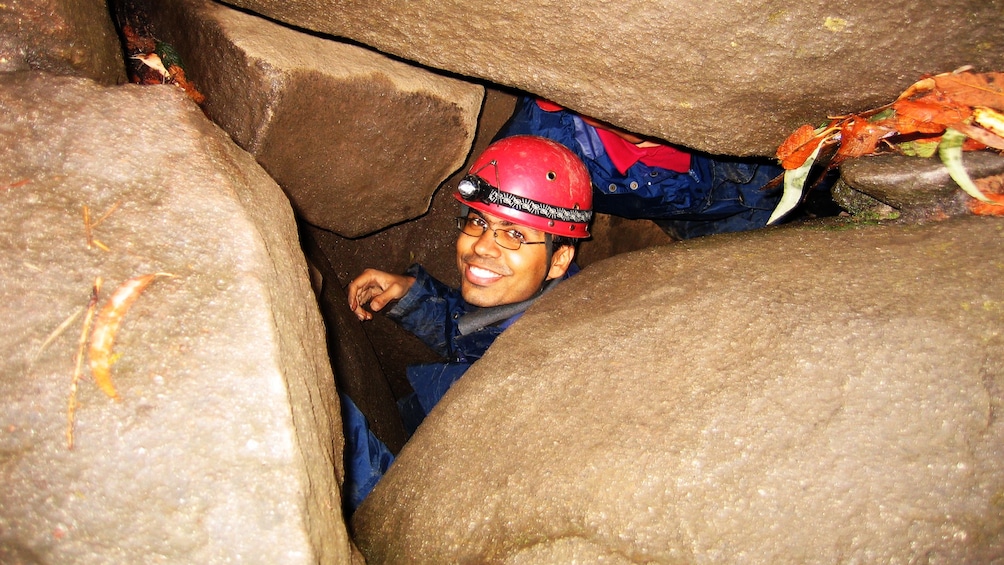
[(506, 238)]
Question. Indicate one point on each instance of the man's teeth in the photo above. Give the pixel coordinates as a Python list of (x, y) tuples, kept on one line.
[(482, 273)]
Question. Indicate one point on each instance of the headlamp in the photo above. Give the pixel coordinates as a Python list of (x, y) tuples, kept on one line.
[(474, 188)]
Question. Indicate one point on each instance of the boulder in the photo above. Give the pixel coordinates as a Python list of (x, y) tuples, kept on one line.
[(224, 443), (723, 77), (826, 393), (358, 140), (914, 188), (66, 37)]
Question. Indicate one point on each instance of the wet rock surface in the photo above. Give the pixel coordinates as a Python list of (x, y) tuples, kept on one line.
[(225, 445), (824, 393)]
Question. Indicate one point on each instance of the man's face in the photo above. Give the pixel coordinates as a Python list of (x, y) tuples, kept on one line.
[(492, 275)]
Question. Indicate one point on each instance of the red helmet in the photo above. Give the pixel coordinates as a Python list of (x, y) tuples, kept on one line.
[(531, 181)]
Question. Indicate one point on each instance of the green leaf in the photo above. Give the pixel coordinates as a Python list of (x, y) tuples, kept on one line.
[(794, 184), (919, 148), (950, 151)]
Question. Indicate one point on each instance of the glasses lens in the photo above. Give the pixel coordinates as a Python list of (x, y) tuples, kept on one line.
[(476, 227), (505, 239), (470, 226)]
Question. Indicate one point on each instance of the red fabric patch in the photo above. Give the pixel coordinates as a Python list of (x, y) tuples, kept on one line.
[(624, 154), (548, 106)]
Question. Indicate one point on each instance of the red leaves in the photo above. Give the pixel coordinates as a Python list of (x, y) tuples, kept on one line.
[(923, 112), (972, 89), (928, 115), (798, 147), (996, 208), (859, 136)]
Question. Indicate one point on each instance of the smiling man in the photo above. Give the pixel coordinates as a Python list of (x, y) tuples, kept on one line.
[(524, 204)]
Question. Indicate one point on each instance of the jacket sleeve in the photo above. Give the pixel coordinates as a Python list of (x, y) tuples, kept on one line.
[(430, 310)]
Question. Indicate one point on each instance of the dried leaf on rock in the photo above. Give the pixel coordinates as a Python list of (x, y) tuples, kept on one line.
[(973, 89), (107, 326), (979, 138), (860, 137), (794, 185), (178, 74), (990, 120), (951, 113), (802, 143), (928, 115), (994, 206)]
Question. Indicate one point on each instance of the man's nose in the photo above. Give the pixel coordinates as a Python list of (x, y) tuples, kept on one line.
[(486, 244)]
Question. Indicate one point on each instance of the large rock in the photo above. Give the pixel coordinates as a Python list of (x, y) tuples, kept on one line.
[(67, 37), (725, 77), (358, 140), (225, 445), (824, 394)]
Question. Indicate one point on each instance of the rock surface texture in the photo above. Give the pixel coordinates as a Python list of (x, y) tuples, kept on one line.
[(224, 446), (822, 394), (68, 38), (731, 77), (358, 140)]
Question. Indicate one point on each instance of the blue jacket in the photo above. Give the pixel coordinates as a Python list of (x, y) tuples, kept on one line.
[(460, 332), (718, 194), (439, 316)]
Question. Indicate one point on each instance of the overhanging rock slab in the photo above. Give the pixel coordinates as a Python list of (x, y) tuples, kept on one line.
[(721, 77)]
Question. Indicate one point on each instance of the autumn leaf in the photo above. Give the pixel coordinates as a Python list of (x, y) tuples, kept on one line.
[(981, 137), (860, 137), (805, 141), (993, 208), (919, 147), (928, 115), (107, 326), (973, 89), (794, 186)]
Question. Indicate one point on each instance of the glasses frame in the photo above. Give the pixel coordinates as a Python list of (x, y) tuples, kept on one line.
[(464, 221)]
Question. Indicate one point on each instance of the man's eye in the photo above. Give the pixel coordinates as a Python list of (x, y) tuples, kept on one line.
[(516, 235), (479, 222)]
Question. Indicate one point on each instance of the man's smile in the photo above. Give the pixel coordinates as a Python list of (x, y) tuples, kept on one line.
[(481, 276)]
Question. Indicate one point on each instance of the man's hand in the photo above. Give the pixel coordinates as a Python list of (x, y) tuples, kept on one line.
[(376, 288)]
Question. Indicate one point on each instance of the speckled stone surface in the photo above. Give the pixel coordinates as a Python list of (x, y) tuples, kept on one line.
[(225, 444), (823, 393)]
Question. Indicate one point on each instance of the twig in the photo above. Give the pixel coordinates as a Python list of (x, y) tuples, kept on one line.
[(71, 408), (21, 182), (106, 214), (89, 226), (56, 333)]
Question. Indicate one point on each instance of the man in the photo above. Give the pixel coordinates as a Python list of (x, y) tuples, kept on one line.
[(524, 204), (688, 194)]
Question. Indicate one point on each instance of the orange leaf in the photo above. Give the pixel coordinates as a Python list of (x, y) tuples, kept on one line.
[(800, 145), (973, 89), (860, 137), (995, 208), (107, 325), (982, 138), (929, 114)]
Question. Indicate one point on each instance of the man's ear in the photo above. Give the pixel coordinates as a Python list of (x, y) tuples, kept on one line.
[(560, 261)]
